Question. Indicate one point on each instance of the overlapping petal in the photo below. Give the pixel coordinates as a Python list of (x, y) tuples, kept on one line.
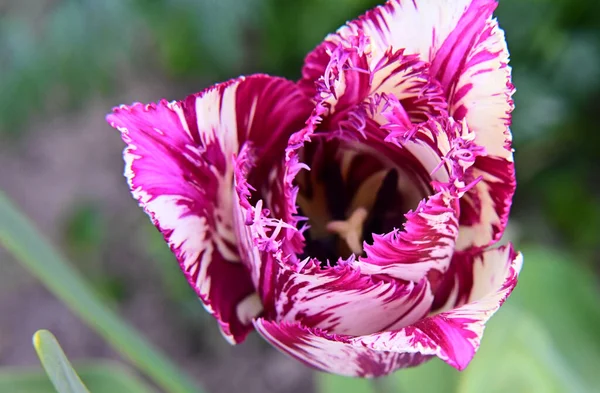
[(446, 150), (344, 77), (453, 335), (472, 66), (418, 26), (334, 353), (331, 299), (485, 208), (180, 163), (406, 27), (426, 242), (461, 50)]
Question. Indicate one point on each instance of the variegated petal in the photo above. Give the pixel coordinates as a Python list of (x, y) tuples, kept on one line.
[(334, 353), (469, 61), (453, 335), (180, 159), (472, 66), (331, 298)]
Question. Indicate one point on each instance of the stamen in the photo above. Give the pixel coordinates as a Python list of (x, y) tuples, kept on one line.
[(351, 229)]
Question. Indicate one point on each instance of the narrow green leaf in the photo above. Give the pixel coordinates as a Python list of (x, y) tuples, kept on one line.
[(328, 383), (23, 240), (56, 364), (98, 376)]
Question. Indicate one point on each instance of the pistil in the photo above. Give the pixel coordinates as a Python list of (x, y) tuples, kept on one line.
[(351, 229)]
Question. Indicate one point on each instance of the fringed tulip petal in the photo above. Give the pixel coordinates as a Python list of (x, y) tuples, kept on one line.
[(454, 336), (472, 66), (331, 299), (179, 165), (333, 353)]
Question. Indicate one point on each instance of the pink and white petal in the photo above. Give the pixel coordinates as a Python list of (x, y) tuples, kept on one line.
[(343, 76), (164, 168), (179, 165), (315, 65), (485, 208), (453, 288), (425, 243), (262, 266), (472, 66), (448, 151), (333, 353), (458, 38), (444, 148), (455, 335), (417, 26), (346, 81), (270, 110), (408, 79), (331, 298)]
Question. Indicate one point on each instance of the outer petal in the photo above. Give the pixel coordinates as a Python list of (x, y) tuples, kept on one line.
[(485, 208), (344, 75), (331, 299), (472, 66), (417, 26), (333, 353), (179, 165), (465, 47), (454, 335)]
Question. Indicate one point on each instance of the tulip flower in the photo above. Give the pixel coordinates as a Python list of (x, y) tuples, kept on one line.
[(351, 217)]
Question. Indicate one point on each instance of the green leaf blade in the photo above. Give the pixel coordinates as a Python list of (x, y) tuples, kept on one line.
[(55, 362), (19, 236), (98, 376)]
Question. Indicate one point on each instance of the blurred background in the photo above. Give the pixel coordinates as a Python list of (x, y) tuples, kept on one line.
[(65, 63)]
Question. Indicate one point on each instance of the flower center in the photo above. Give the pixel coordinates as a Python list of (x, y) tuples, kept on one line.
[(351, 229), (351, 193)]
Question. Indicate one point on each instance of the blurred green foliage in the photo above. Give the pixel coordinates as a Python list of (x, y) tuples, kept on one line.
[(63, 378), (55, 54), (99, 377), (555, 55), (20, 238)]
